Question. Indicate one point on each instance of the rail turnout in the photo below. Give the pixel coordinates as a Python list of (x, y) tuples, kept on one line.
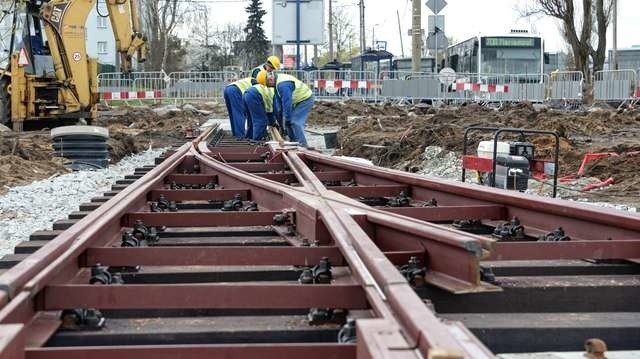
[(228, 249)]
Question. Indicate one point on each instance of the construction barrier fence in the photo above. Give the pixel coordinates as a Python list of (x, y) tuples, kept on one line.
[(141, 88), (614, 85)]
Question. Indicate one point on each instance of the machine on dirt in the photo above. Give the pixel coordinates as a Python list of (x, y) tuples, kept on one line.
[(48, 79), (509, 164)]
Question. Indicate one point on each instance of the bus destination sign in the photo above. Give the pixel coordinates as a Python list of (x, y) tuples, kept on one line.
[(509, 42)]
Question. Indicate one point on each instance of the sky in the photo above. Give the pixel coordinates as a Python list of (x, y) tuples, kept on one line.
[(463, 19)]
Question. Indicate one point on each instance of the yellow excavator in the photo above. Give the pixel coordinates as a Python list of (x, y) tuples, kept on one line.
[(49, 80)]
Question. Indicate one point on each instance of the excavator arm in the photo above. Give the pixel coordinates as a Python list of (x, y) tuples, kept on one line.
[(126, 29), (65, 28)]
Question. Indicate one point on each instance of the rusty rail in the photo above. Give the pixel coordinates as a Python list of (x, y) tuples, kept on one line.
[(224, 238)]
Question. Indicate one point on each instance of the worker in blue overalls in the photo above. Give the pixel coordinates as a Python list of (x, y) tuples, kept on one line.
[(296, 101), (235, 105), (259, 102)]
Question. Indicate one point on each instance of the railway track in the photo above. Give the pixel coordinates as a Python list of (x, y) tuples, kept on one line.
[(236, 250)]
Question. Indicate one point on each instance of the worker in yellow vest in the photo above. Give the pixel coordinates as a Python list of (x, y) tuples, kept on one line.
[(296, 101), (259, 102), (272, 64), (235, 105)]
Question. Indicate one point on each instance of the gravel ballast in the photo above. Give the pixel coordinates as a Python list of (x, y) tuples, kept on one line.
[(26, 209)]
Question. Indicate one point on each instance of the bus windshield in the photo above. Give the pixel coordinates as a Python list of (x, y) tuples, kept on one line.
[(511, 61), (505, 55)]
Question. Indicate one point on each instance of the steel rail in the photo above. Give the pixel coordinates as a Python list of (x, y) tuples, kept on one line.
[(364, 243), (585, 222), (31, 273), (373, 268)]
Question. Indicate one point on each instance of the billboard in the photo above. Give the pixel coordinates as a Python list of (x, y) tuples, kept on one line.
[(311, 22)]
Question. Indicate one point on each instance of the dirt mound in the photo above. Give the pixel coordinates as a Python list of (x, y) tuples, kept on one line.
[(623, 169), (16, 171), (325, 113), (28, 156), (399, 137), (135, 129)]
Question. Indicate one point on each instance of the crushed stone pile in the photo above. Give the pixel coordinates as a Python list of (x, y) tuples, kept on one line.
[(25, 209)]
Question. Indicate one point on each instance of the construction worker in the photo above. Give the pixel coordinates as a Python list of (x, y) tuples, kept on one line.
[(235, 105), (296, 101), (272, 64), (259, 102)]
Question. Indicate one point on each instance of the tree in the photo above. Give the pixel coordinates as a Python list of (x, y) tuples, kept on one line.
[(344, 38), (160, 19), (583, 25), (175, 54), (255, 46), (202, 37)]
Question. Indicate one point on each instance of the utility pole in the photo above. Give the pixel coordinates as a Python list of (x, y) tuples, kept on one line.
[(330, 31), (363, 44), (400, 33), (298, 35), (614, 53), (416, 43)]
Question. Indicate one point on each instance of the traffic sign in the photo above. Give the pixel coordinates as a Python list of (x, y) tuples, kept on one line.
[(23, 59), (436, 5), (437, 41), (434, 21), (447, 76)]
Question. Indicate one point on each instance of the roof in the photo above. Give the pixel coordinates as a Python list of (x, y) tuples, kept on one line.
[(375, 55)]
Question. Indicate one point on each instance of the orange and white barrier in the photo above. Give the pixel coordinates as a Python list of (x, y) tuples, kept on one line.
[(131, 95), (476, 87)]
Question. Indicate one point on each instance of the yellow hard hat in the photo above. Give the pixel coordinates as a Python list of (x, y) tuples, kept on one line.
[(261, 77), (274, 61)]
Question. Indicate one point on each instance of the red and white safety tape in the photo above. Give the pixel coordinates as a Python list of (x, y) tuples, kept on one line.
[(476, 87), (131, 95), (344, 84)]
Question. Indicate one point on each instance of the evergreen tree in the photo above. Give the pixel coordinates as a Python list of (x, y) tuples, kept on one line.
[(256, 45)]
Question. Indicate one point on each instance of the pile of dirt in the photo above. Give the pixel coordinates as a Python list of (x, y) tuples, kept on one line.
[(400, 137), (134, 129), (28, 156), (334, 113)]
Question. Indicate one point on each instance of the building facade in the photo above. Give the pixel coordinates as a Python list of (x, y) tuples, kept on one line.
[(628, 59), (101, 43)]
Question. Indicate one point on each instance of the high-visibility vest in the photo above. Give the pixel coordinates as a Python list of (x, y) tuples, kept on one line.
[(267, 96), (243, 84), (301, 91), (255, 70)]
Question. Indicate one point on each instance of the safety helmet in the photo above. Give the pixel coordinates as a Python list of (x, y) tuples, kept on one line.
[(261, 77), (274, 61)]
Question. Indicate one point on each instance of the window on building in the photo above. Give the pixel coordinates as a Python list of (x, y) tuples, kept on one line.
[(102, 22), (102, 47)]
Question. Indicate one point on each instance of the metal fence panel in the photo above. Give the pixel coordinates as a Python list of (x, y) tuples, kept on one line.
[(203, 85), (614, 85), (121, 82), (566, 85), (419, 88)]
